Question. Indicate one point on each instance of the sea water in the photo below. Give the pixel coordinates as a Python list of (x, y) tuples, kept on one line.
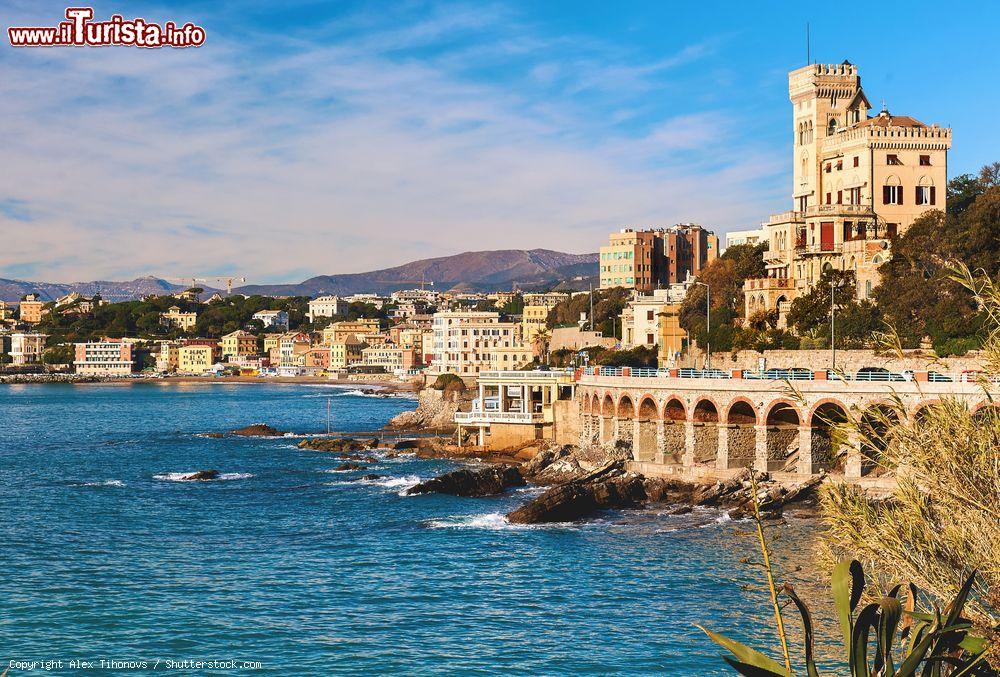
[(283, 565)]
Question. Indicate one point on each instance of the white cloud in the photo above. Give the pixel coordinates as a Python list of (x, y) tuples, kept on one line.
[(346, 153)]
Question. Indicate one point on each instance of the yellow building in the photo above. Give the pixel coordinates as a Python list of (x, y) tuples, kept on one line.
[(194, 359), (533, 319), (340, 330), (857, 181), (238, 344), (671, 336), (175, 318), (346, 352), (30, 309)]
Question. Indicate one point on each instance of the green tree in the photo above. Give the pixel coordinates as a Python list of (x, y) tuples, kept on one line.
[(812, 310)]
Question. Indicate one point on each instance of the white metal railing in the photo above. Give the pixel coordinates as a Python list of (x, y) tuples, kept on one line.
[(497, 417), (797, 374)]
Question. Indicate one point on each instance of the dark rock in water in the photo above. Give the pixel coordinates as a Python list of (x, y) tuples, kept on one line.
[(214, 436), (338, 444), (258, 430), (202, 476), (343, 467), (487, 482), (368, 478), (680, 510), (603, 489), (405, 444)]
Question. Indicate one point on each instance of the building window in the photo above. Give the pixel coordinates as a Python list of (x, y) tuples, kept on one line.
[(892, 195), (892, 160), (925, 195), (828, 167), (649, 314), (857, 160), (650, 340), (925, 160)]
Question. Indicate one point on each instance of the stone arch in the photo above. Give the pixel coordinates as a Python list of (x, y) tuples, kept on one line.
[(705, 418), (741, 433), (828, 439), (607, 418), (673, 409), (919, 412), (782, 420), (624, 417), (875, 428), (625, 408), (674, 432), (645, 444)]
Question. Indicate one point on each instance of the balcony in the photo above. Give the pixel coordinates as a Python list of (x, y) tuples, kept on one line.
[(839, 210), (763, 283), (478, 417), (824, 248)]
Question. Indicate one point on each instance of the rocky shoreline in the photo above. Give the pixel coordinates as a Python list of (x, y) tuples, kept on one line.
[(581, 482)]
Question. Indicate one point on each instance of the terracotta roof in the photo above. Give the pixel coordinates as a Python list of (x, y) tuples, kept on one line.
[(887, 120)]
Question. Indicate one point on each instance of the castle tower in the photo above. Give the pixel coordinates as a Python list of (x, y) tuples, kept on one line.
[(825, 100)]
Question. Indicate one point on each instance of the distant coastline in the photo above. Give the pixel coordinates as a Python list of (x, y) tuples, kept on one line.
[(81, 379)]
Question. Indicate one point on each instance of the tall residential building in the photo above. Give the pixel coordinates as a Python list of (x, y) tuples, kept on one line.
[(327, 306), (467, 342), (103, 358), (857, 181), (195, 359), (239, 344), (653, 320), (338, 331), (645, 260)]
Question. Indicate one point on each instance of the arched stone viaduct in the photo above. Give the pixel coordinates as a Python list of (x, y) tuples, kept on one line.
[(713, 425)]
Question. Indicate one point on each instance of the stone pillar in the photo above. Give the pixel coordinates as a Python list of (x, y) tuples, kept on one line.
[(805, 465), (600, 429), (636, 436), (661, 443), (760, 457), (722, 453), (852, 469), (688, 460)]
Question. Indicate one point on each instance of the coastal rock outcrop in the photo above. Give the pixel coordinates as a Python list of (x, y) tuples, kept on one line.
[(605, 488), (338, 444), (344, 467), (201, 476), (435, 409), (486, 482), (257, 430)]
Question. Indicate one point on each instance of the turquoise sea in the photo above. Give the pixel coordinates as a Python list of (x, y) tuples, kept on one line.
[(302, 570)]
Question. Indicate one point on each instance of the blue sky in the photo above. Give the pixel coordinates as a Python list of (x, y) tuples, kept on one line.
[(314, 138)]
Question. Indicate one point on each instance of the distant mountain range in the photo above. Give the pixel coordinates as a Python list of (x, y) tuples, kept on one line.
[(499, 270), (14, 290)]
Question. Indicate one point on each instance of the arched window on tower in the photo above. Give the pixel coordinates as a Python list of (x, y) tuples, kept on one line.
[(832, 127), (925, 192)]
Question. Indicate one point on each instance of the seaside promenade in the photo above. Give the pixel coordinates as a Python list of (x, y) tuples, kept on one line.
[(713, 423)]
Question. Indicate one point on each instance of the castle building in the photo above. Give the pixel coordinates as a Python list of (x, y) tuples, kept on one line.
[(857, 181)]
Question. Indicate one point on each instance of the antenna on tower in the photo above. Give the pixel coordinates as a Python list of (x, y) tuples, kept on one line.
[(808, 51)]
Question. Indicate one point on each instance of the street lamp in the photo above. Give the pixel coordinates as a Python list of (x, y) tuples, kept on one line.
[(708, 323), (833, 334)]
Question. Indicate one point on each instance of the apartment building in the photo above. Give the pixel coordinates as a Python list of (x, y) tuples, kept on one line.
[(346, 352), (466, 342), (533, 320), (549, 299), (31, 309), (174, 317), (751, 237), (338, 331), (166, 356), (645, 260), (327, 306), (195, 359), (292, 347), (103, 358), (27, 348), (858, 180), (238, 344), (392, 358)]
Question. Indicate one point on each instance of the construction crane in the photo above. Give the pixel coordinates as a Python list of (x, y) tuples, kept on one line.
[(195, 280), (228, 280)]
